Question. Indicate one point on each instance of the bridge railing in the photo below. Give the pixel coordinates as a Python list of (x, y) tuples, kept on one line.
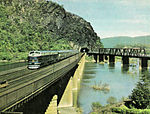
[(147, 51)]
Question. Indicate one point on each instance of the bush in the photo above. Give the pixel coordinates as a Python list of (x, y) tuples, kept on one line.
[(6, 56), (123, 110), (141, 94), (111, 100), (96, 106)]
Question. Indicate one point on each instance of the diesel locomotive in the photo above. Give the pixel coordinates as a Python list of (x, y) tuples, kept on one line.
[(38, 59)]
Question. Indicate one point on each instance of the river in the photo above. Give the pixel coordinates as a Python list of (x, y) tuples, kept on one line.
[(121, 81)]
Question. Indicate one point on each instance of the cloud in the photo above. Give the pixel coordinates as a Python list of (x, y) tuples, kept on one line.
[(78, 0), (105, 34), (133, 21), (135, 2)]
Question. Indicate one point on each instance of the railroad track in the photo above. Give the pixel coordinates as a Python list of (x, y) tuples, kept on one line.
[(14, 73), (12, 70), (17, 78)]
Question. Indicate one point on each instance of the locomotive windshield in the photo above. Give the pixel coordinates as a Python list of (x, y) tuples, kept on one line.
[(32, 59)]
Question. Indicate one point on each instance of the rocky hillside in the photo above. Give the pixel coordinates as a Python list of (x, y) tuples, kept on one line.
[(42, 25)]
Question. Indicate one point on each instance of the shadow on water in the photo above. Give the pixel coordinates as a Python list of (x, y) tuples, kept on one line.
[(89, 76), (111, 65), (86, 81), (89, 72)]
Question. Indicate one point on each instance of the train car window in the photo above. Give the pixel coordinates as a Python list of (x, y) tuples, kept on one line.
[(31, 52), (37, 52)]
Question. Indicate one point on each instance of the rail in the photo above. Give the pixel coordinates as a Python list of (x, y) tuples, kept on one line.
[(24, 89)]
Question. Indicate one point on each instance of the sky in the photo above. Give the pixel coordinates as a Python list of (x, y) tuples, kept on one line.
[(113, 17)]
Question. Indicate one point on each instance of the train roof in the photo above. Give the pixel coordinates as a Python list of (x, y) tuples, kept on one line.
[(52, 52)]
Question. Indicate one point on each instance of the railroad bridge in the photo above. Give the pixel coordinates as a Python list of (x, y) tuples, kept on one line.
[(125, 53), (24, 84)]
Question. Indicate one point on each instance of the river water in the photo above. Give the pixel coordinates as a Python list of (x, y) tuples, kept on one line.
[(121, 81)]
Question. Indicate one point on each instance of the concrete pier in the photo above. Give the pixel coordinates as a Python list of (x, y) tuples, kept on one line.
[(144, 63), (95, 57), (125, 60), (52, 108), (111, 58), (67, 98), (101, 58), (106, 57)]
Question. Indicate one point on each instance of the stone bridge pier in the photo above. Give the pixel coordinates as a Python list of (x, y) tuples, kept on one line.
[(143, 63), (95, 57), (111, 59), (125, 60), (101, 58)]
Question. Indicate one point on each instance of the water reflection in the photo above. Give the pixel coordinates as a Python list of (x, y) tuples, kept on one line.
[(125, 68), (121, 84), (89, 76), (89, 71), (111, 65)]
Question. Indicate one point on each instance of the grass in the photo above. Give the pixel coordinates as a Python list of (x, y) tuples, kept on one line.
[(100, 86)]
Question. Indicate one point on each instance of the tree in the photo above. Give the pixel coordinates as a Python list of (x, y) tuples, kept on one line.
[(96, 106), (111, 100), (141, 94)]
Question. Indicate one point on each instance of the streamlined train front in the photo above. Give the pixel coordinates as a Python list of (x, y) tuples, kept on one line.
[(33, 60)]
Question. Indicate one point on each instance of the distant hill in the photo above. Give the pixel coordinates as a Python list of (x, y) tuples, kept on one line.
[(111, 42)]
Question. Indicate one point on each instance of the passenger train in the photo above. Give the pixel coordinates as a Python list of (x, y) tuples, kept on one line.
[(38, 59)]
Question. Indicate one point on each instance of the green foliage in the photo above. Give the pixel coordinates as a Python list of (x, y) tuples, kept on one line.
[(141, 94), (111, 100), (122, 110), (96, 106), (13, 56), (30, 25), (6, 56)]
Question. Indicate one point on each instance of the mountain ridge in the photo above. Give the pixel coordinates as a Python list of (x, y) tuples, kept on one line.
[(111, 42), (41, 25)]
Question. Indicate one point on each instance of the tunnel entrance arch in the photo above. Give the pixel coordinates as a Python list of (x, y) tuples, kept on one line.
[(85, 49)]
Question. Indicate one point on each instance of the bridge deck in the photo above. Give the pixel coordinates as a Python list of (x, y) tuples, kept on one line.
[(30, 85), (129, 52)]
